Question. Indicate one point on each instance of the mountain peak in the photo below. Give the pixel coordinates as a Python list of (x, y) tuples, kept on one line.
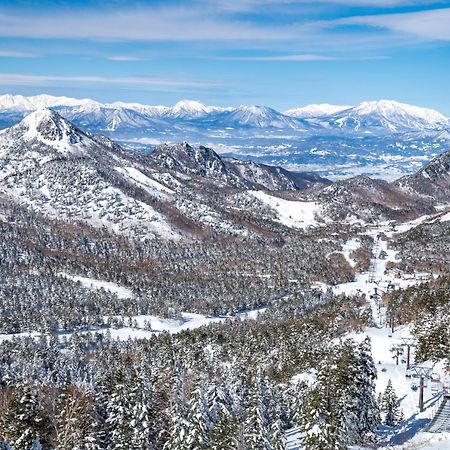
[(392, 107), (315, 110), (190, 108), (49, 128), (47, 125)]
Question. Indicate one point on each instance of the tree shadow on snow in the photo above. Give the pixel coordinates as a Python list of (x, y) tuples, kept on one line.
[(408, 429)]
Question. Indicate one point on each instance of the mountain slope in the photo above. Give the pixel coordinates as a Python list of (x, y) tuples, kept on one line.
[(364, 199), (432, 181), (206, 164), (384, 115), (62, 172), (388, 116), (178, 191)]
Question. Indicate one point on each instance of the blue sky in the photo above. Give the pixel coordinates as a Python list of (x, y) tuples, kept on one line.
[(280, 53)]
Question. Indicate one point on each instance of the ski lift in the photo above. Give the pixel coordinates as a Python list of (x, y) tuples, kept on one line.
[(435, 382), (414, 387), (435, 386)]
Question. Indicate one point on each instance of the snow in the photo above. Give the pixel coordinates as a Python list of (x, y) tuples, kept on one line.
[(62, 140), (293, 214), (187, 321), (407, 436), (92, 283), (349, 247), (23, 104), (144, 326), (391, 108), (144, 181), (315, 110), (190, 108)]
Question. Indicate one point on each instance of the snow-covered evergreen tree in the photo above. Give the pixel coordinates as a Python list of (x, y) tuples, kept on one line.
[(257, 432), (73, 418), (390, 405), (119, 409), (367, 409), (178, 410), (24, 424), (316, 427), (199, 420)]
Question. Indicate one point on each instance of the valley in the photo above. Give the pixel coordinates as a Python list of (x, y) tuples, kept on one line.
[(217, 298)]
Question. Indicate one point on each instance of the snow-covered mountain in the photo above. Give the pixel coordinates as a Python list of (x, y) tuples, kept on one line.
[(377, 116), (384, 139), (204, 163), (315, 110), (60, 171), (190, 109), (31, 103), (388, 116), (258, 117), (368, 200), (431, 182), (177, 192)]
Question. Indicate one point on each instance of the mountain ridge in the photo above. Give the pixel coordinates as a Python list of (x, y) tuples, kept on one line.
[(392, 112)]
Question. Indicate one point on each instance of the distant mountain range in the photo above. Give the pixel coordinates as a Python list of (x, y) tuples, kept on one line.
[(179, 191), (381, 116), (382, 138)]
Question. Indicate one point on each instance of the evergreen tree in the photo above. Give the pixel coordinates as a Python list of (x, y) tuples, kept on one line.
[(199, 420), (119, 409), (72, 420), (256, 425), (178, 415), (366, 407), (277, 436), (390, 405), (316, 425), (141, 395), (24, 423)]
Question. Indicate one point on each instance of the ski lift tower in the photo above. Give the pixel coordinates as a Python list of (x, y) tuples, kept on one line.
[(423, 373), (377, 297), (408, 343), (373, 262)]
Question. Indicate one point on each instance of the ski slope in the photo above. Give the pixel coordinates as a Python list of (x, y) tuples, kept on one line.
[(409, 435)]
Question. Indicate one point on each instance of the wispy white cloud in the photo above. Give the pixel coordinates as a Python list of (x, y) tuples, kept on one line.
[(248, 5), (299, 58), (124, 58), (48, 80), (211, 24), (146, 24), (431, 24), (14, 54)]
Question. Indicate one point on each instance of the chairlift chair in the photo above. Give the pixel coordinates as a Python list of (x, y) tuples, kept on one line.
[(435, 387)]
